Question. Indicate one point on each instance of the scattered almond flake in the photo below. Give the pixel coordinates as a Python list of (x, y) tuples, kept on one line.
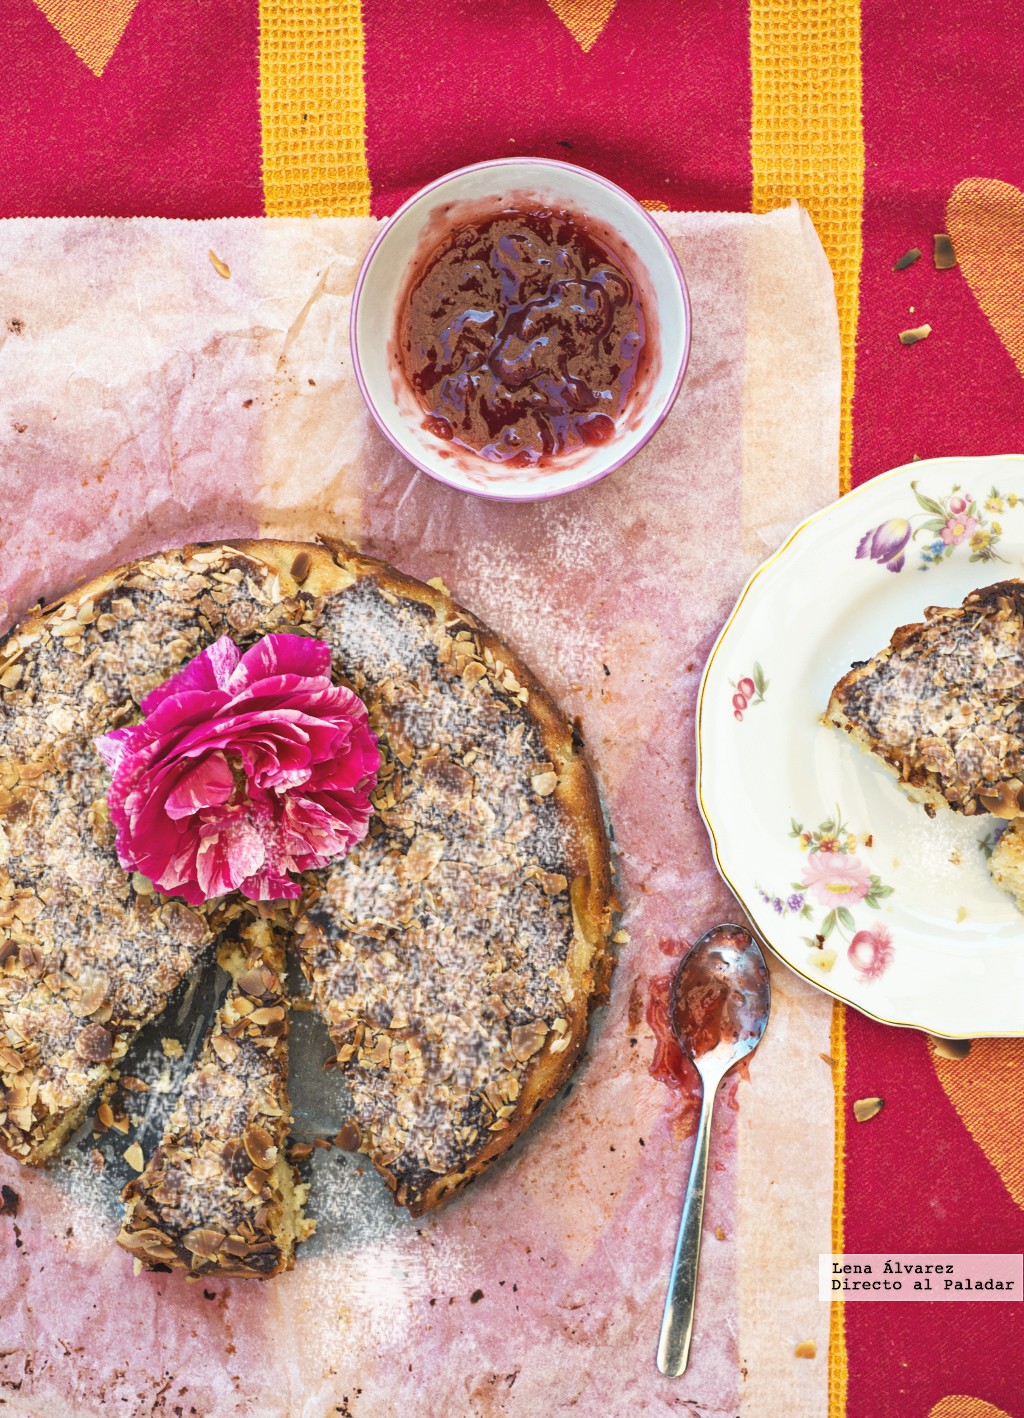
[(133, 1156), (621, 938), (911, 337), (952, 1049), (961, 913), (719, 1234), (142, 884), (828, 1059), (221, 267), (136, 1265), (439, 585), (806, 1350), (867, 1108), (163, 1083), (348, 1139), (10, 677), (943, 254), (172, 1049), (544, 784), (907, 259)]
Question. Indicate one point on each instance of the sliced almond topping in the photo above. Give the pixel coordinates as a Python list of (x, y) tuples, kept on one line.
[(257, 1180), (94, 1043), (17, 1096), (551, 883), (133, 1156), (806, 1350), (528, 1039), (866, 1108), (226, 1049), (252, 982), (544, 784), (203, 1241), (267, 1016), (259, 1146), (422, 857)]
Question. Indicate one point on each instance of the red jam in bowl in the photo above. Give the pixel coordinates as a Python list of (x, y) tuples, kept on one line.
[(523, 337)]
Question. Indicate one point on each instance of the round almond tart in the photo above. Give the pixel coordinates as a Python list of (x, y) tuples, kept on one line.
[(455, 954)]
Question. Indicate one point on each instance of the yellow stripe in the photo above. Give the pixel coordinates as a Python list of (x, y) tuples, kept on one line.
[(807, 142), (313, 108), (837, 1371)]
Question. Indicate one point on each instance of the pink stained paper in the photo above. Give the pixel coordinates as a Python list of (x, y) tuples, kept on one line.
[(614, 596)]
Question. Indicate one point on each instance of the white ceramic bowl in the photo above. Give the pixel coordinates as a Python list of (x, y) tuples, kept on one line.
[(613, 217)]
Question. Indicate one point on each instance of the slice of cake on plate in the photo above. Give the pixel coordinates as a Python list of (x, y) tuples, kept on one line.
[(218, 1197), (943, 708)]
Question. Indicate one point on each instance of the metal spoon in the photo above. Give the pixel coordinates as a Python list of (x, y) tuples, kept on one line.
[(720, 1003)]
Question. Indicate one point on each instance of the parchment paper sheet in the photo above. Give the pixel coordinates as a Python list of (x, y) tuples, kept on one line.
[(146, 400)]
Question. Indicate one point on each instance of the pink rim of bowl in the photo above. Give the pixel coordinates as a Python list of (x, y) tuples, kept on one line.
[(542, 175)]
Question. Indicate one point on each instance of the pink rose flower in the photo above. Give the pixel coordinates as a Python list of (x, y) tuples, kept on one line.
[(870, 952), (836, 880), (956, 529), (245, 768)]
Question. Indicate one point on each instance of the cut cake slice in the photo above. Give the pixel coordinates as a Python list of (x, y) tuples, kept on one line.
[(943, 705), (218, 1197)]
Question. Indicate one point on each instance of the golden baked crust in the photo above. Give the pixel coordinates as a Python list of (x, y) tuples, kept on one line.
[(218, 1197), (943, 705), (496, 876)]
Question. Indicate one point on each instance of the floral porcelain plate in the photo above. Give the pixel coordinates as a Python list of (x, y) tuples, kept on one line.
[(846, 879)]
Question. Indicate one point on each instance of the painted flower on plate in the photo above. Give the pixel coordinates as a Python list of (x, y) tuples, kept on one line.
[(870, 952), (885, 543), (834, 879), (245, 768), (957, 528)]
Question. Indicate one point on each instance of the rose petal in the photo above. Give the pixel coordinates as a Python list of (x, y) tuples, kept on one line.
[(210, 783), (277, 655)]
